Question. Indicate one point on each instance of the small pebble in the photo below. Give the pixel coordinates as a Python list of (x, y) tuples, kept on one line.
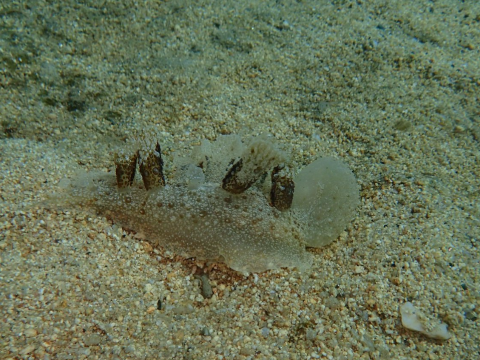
[(207, 291), (359, 269), (148, 288), (265, 332), (30, 332), (130, 349), (27, 350), (93, 340)]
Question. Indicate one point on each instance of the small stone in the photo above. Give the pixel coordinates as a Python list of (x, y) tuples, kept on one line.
[(247, 351), (265, 332), (93, 340), (183, 309), (148, 288), (359, 269), (402, 125), (207, 291), (30, 332), (27, 350), (310, 334), (396, 281), (458, 129), (130, 349)]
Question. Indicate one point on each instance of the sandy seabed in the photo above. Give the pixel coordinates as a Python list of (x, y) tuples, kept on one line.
[(391, 89)]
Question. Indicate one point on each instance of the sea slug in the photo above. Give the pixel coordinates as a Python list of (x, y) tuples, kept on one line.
[(229, 201)]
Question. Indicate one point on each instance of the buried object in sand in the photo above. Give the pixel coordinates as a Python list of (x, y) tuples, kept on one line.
[(415, 320), (228, 201)]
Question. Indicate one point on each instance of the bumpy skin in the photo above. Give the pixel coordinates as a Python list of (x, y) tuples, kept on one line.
[(125, 168), (243, 231), (257, 159), (283, 188), (151, 168)]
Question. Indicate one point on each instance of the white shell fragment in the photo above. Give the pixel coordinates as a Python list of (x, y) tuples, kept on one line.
[(413, 319)]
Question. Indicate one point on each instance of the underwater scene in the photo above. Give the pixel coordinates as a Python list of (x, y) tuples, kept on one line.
[(239, 179)]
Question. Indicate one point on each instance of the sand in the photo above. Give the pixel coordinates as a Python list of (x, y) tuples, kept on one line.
[(391, 89)]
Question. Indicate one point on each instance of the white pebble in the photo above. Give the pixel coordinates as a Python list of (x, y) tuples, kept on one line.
[(30, 332), (27, 350)]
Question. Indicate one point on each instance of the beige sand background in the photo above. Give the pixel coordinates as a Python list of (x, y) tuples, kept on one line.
[(392, 89)]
